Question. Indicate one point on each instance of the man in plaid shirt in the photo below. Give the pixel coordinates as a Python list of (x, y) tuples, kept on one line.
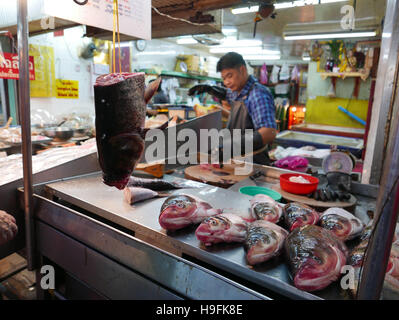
[(250, 104)]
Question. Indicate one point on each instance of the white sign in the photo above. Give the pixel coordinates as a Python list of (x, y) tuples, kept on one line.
[(134, 15)]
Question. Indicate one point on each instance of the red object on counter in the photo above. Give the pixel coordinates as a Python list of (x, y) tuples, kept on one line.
[(298, 188)]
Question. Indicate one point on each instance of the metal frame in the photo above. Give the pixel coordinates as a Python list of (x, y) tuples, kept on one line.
[(384, 91), (24, 106)]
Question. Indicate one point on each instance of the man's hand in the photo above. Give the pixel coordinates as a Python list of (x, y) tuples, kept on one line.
[(268, 134), (8, 227), (215, 91)]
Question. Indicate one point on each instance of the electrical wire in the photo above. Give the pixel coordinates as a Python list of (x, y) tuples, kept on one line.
[(179, 19)]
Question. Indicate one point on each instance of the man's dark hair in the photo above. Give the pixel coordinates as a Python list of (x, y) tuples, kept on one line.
[(230, 60)]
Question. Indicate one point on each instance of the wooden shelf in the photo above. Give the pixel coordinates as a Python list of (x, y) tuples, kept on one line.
[(343, 75), (179, 75)]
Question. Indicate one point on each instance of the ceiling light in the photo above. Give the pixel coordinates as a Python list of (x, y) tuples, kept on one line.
[(245, 10), (188, 40), (261, 57), (301, 3), (331, 35), (229, 30), (247, 50), (233, 43), (306, 58)]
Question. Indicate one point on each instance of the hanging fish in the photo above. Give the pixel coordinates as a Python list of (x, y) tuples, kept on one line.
[(264, 240), (342, 223), (120, 107), (315, 256), (224, 227), (298, 214)]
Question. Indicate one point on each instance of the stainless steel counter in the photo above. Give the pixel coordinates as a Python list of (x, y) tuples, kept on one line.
[(271, 278)]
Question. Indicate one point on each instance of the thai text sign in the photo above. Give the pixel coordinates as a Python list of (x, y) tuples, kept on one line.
[(9, 66), (67, 89)]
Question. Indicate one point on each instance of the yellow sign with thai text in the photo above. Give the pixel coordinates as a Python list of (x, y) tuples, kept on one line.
[(67, 89), (44, 83)]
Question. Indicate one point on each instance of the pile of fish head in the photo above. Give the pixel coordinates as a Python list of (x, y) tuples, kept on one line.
[(342, 223), (224, 227), (297, 215), (179, 211), (120, 107), (264, 240), (316, 257), (266, 208)]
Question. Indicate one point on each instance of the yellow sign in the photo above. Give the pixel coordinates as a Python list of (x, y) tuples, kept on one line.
[(67, 89), (43, 85)]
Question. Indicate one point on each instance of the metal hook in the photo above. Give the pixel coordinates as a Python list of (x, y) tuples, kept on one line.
[(81, 3)]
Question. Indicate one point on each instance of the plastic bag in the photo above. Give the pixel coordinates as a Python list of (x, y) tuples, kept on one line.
[(295, 74), (275, 71), (285, 72), (263, 74), (292, 163)]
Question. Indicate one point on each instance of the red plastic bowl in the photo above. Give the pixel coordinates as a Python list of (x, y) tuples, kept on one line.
[(298, 188)]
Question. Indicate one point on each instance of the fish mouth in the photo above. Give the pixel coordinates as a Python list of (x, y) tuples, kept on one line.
[(117, 183)]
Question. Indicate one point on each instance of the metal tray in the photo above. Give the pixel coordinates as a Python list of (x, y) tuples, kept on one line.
[(89, 193)]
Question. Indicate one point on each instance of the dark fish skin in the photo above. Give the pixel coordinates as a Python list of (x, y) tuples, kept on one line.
[(315, 256), (153, 184), (264, 240), (120, 115), (298, 214)]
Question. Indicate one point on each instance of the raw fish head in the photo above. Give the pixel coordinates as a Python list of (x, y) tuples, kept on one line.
[(316, 257), (264, 240), (176, 212), (342, 223), (298, 215), (222, 228)]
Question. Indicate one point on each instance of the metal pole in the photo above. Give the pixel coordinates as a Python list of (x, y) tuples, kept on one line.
[(379, 249), (24, 109)]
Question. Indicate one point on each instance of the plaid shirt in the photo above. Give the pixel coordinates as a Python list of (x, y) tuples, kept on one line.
[(259, 103)]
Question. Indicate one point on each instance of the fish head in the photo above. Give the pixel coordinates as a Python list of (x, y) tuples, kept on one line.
[(298, 215), (212, 226), (340, 226), (263, 210), (176, 210), (124, 150)]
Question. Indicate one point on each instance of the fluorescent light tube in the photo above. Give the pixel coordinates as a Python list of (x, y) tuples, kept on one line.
[(306, 58), (261, 57), (301, 3), (331, 35), (189, 40), (232, 43), (245, 10), (247, 50)]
